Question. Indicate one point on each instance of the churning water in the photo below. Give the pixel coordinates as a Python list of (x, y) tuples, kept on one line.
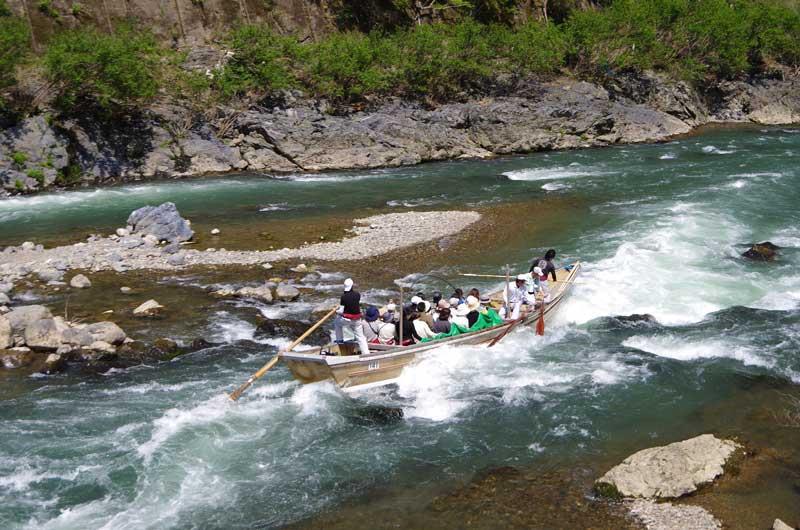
[(659, 230)]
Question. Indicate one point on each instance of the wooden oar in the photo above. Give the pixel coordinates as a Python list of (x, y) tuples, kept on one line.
[(540, 322), (272, 362), (505, 332)]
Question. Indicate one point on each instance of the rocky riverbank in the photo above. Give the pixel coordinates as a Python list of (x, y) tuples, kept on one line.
[(296, 134)]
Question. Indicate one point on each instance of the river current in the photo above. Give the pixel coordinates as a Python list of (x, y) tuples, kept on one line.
[(659, 229)]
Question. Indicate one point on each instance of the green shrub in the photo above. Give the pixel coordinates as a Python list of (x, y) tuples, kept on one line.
[(46, 7), (19, 158), (348, 66), (117, 69), (37, 175), (69, 175), (534, 48), (262, 61)]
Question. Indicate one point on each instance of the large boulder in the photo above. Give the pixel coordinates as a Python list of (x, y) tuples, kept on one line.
[(43, 335), (21, 317), (78, 337), (669, 471), (162, 221), (106, 332), (5, 333)]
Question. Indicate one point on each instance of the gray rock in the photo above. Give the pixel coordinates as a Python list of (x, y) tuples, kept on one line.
[(286, 292), (780, 525), (4, 299), (131, 242), (78, 337), (80, 282), (206, 154), (215, 232), (176, 260), (667, 516), (50, 275), (150, 240), (53, 364), (5, 333), (262, 293), (670, 471), (125, 290), (123, 232), (162, 221), (102, 346), (21, 316), (114, 257), (148, 309), (43, 335), (172, 248), (106, 332), (6, 288)]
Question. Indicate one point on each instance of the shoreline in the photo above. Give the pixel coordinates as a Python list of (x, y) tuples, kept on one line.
[(300, 136)]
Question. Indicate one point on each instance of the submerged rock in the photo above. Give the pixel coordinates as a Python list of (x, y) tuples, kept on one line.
[(262, 293), (291, 329), (765, 251), (163, 222), (54, 363), (286, 292), (636, 320), (669, 471)]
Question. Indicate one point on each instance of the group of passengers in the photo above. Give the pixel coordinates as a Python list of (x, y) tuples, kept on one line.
[(422, 319)]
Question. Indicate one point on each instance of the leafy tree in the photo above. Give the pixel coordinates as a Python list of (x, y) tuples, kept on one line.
[(14, 44), (114, 70)]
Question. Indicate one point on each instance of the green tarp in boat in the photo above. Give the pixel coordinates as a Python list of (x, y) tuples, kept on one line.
[(487, 319)]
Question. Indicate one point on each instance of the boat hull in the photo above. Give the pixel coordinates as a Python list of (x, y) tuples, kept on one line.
[(384, 364)]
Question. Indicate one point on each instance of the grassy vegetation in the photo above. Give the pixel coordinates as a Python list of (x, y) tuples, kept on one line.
[(698, 40)]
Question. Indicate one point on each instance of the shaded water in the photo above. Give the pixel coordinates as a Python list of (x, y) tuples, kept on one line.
[(659, 229)]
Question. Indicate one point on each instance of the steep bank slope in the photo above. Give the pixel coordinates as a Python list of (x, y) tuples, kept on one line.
[(297, 134)]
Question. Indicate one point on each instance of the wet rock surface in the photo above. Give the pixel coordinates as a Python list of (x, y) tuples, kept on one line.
[(765, 251), (669, 471), (163, 222)]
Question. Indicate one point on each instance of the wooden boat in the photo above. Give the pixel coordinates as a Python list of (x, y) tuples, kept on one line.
[(383, 365)]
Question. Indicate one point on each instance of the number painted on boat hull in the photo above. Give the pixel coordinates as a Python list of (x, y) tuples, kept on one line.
[(373, 365)]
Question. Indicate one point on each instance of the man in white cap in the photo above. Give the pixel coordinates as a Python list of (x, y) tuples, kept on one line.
[(516, 296), (540, 283), (349, 316)]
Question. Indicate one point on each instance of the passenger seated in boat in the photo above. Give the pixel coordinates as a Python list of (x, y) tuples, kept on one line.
[(443, 304), (391, 310), (421, 328), (546, 264), (412, 306), (409, 331), (459, 317), (517, 296), (442, 324), (349, 316), (370, 324), (474, 292), (436, 298), (387, 330), (424, 312), (458, 295), (474, 306)]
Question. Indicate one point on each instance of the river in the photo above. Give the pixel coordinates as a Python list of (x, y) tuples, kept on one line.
[(659, 229)]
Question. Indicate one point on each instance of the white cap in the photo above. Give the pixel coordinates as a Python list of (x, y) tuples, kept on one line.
[(454, 302), (522, 278), (416, 300), (391, 307), (348, 284), (537, 270), (462, 310)]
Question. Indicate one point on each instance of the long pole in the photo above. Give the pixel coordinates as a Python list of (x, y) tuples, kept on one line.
[(402, 316), (500, 276), (272, 362), (508, 294)]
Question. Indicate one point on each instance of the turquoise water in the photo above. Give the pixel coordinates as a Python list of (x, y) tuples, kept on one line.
[(659, 228)]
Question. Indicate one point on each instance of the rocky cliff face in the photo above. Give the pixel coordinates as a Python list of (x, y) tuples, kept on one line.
[(297, 134)]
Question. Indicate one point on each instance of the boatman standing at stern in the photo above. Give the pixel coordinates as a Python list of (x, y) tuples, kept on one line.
[(349, 316)]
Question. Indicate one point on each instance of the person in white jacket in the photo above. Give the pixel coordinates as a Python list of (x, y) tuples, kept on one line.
[(516, 296)]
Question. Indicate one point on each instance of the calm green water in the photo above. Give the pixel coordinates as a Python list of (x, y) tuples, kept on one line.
[(658, 229)]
